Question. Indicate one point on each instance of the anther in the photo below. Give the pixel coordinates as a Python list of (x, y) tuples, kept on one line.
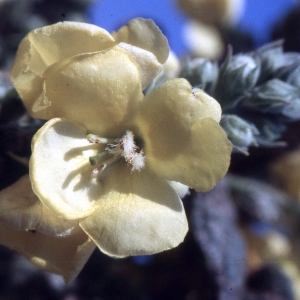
[(95, 139), (101, 167), (97, 169), (123, 147)]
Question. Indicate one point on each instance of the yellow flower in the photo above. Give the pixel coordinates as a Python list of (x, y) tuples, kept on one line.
[(105, 159), (117, 187), (171, 67), (203, 40), (223, 12), (51, 243), (51, 59)]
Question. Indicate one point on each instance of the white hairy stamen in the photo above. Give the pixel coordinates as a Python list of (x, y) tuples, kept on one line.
[(123, 147), (138, 162), (129, 146)]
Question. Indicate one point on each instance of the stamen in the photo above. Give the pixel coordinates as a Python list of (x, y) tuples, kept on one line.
[(101, 167), (95, 139), (97, 169), (115, 149), (137, 162), (122, 147), (93, 159), (129, 146)]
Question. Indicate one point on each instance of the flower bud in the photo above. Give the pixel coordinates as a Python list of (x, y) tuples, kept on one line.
[(270, 130), (292, 110), (272, 97), (238, 74), (294, 77), (241, 133), (290, 62), (201, 72), (244, 64), (272, 58)]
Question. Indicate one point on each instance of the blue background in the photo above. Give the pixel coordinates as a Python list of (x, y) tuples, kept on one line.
[(258, 18)]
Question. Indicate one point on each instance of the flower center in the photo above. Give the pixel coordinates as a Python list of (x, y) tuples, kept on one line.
[(124, 147)]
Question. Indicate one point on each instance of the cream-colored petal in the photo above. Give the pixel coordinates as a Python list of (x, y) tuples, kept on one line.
[(175, 100), (139, 214), (66, 39), (146, 35), (99, 90), (21, 209), (172, 66), (198, 158), (60, 171), (182, 143), (147, 62), (26, 80), (181, 189), (47, 45), (65, 256)]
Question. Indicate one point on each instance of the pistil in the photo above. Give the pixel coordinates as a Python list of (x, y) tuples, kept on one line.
[(94, 159)]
